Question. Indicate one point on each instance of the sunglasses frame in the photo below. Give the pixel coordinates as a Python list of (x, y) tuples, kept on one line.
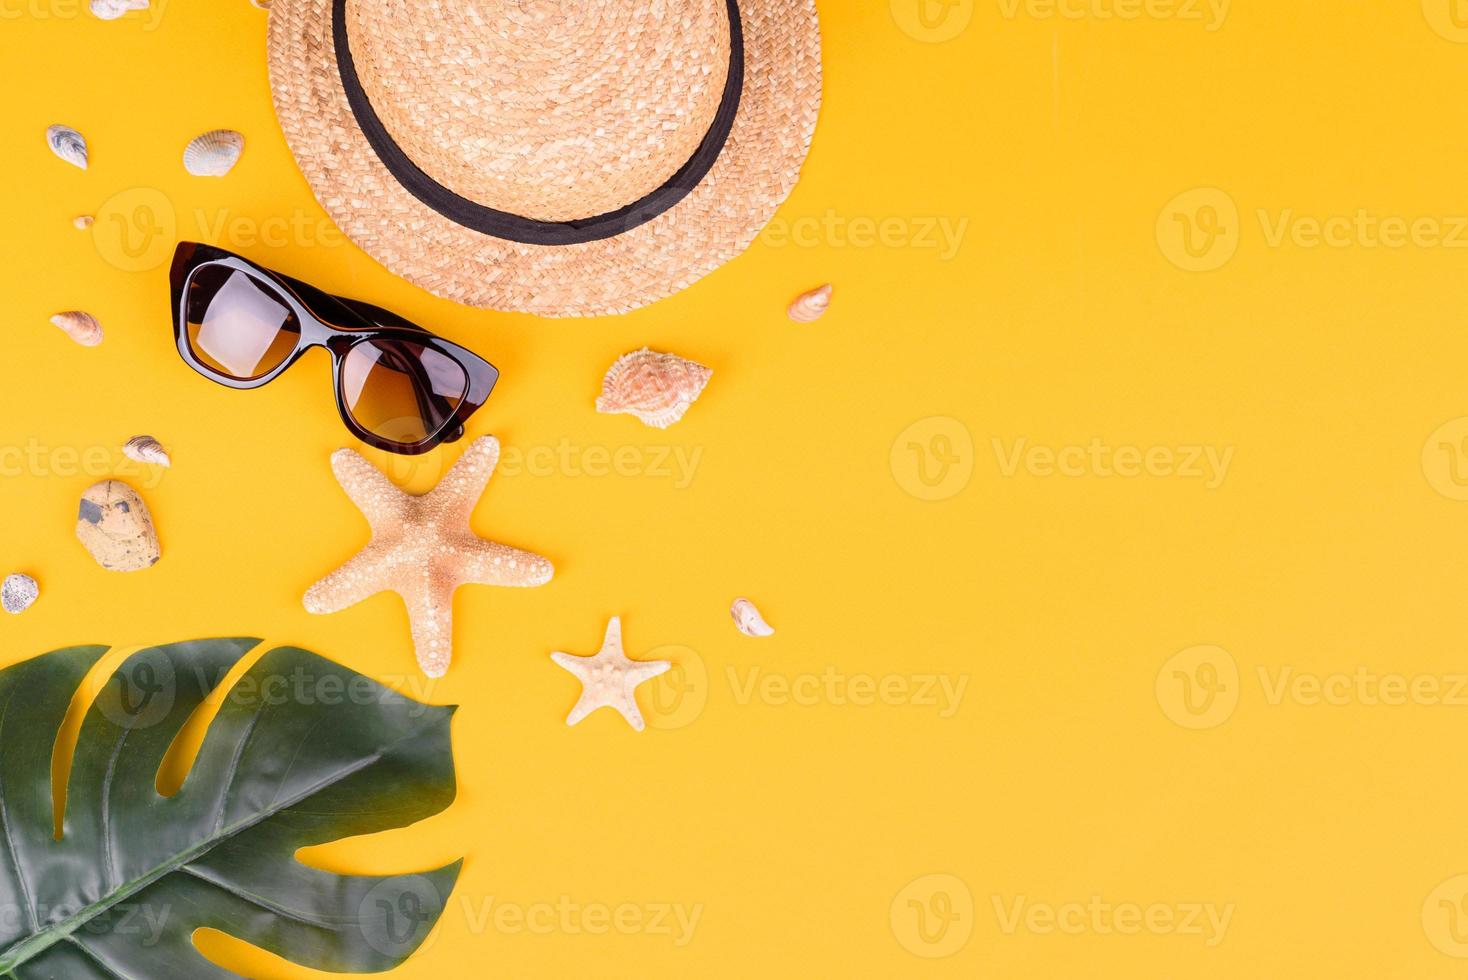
[(336, 324)]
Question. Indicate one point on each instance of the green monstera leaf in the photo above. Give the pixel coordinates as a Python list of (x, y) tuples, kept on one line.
[(302, 751)]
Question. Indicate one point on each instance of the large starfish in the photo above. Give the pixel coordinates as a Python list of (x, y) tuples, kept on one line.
[(422, 549), (609, 679)]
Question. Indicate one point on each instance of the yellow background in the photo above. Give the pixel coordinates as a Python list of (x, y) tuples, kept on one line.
[(1071, 768)]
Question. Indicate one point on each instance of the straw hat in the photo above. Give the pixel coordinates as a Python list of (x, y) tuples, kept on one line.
[(559, 157)]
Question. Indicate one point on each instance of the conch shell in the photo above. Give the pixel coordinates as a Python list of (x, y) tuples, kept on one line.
[(113, 9), (213, 154), (146, 449), (810, 307), (657, 388), (80, 327), (748, 619), (68, 144)]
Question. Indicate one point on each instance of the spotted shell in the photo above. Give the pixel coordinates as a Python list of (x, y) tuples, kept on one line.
[(68, 144), (657, 388), (213, 154)]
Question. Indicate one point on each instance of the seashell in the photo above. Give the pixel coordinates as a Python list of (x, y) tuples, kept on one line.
[(810, 307), (80, 327), (113, 9), (82, 222), (114, 525), (262, 4), (18, 593), (748, 619), (146, 449), (214, 154), (657, 388), (68, 144)]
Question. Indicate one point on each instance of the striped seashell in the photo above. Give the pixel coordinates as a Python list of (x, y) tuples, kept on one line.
[(213, 154), (810, 307), (68, 144), (657, 388), (146, 449), (80, 327)]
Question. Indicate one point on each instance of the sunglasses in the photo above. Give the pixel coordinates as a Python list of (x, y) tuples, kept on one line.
[(398, 387)]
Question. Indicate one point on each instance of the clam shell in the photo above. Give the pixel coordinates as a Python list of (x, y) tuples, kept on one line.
[(18, 593), (82, 222), (146, 449), (213, 154), (657, 388), (810, 307), (68, 144), (748, 619), (80, 327), (113, 9)]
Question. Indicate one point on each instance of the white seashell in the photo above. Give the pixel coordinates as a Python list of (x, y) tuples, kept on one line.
[(68, 144), (82, 222), (113, 9), (748, 619), (810, 307), (18, 593), (146, 449), (213, 154), (80, 327), (657, 388)]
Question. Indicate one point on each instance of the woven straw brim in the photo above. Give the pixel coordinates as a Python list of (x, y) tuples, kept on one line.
[(717, 221)]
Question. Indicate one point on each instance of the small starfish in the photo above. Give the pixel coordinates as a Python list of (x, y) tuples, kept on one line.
[(609, 679), (423, 549)]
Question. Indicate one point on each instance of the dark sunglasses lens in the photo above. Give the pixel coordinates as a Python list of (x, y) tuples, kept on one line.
[(237, 325), (402, 391)]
